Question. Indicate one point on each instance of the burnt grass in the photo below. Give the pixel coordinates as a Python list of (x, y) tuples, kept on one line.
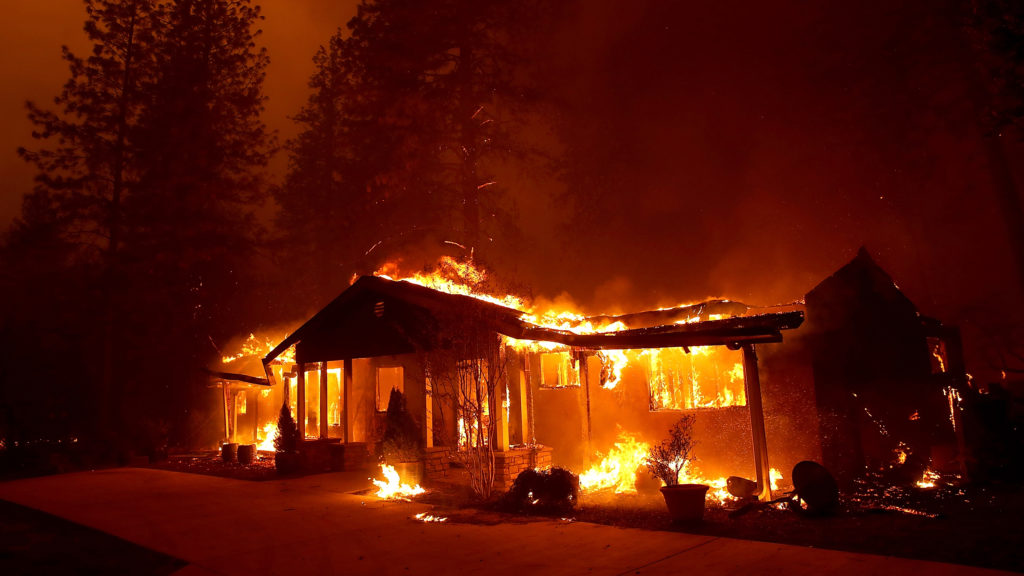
[(971, 525)]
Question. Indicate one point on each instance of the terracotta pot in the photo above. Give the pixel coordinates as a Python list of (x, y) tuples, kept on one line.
[(685, 501), (229, 451)]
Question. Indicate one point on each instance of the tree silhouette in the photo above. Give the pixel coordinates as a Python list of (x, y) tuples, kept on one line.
[(147, 169)]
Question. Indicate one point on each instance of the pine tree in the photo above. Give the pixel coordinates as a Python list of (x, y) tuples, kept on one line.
[(149, 167), (86, 172), (403, 130)]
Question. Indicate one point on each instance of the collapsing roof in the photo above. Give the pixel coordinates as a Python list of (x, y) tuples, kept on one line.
[(378, 317)]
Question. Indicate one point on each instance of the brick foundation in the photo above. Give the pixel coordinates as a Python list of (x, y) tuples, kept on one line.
[(437, 462), (508, 464)]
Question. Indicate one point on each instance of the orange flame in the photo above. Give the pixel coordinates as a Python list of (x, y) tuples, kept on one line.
[(392, 488)]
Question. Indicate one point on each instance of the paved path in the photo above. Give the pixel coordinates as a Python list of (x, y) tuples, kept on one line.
[(314, 525)]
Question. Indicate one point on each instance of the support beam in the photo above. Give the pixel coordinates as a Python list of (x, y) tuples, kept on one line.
[(300, 400), (752, 382), (227, 415), (346, 404), (498, 416), (530, 434), (323, 401), (428, 413), (581, 358)]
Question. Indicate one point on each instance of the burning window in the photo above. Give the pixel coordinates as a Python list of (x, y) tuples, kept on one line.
[(559, 370), (702, 377), (388, 378)]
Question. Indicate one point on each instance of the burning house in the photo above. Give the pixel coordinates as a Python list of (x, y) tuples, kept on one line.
[(593, 393)]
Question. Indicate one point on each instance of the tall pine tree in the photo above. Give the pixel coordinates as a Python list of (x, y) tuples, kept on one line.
[(411, 112), (149, 167)]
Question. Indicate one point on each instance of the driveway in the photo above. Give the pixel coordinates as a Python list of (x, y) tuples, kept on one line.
[(315, 525)]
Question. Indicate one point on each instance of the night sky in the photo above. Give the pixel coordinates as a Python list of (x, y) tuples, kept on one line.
[(744, 151)]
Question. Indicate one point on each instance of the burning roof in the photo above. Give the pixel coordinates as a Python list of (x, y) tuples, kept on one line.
[(377, 316)]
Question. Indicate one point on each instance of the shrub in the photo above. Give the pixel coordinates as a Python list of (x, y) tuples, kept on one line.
[(667, 459), (287, 442), (544, 491), (402, 439)]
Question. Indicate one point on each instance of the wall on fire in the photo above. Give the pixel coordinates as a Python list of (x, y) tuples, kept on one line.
[(723, 440)]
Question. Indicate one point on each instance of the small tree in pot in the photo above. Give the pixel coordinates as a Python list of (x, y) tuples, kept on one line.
[(286, 444), (666, 461)]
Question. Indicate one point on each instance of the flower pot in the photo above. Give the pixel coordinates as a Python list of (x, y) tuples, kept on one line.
[(246, 454), (685, 501), (229, 451)]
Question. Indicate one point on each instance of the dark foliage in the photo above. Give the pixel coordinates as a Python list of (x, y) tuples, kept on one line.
[(287, 442), (402, 439), (543, 491), (667, 459), (129, 258)]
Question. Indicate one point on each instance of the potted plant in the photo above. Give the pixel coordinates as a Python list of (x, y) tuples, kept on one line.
[(402, 445), (666, 462), (286, 444)]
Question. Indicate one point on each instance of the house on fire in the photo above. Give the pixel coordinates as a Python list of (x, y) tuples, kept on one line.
[(560, 395)]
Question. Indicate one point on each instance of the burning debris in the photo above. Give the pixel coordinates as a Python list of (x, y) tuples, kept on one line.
[(392, 488), (427, 518)]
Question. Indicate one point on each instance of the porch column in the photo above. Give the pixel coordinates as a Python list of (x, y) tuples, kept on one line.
[(227, 408), (323, 400), (498, 416), (530, 432), (518, 417), (428, 413), (752, 382), (300, 400), (346, 414)]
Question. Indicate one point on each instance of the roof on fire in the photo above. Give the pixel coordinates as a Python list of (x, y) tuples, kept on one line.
[(380, 317)]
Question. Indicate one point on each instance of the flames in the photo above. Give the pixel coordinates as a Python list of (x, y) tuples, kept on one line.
[(619, 469), (258, 347), (928, 479), (392, 488), (269, 435), (679, 379)]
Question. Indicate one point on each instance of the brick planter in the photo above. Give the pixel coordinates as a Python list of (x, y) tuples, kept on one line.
[(508, 464)]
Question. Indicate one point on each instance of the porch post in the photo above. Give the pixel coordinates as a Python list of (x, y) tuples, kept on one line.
[(518, 419), (428, 413), (227, 416), (752, 382), (300, 400), (530, 433), (498, 416), (346, 414), (323, 400)]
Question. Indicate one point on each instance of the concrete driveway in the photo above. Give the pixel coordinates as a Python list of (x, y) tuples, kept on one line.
[(314, 525)]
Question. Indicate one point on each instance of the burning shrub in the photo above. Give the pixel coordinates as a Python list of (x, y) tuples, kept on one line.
[(668, 459), (547, 491), (402, 440), (286, 443)]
